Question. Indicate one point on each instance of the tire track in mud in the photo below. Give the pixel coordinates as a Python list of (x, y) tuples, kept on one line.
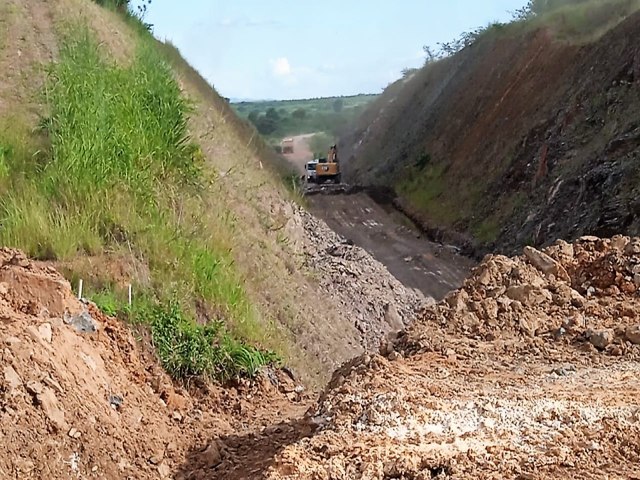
[(392, 239)]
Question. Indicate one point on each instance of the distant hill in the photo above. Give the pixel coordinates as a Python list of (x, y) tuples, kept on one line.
[(279, 118)]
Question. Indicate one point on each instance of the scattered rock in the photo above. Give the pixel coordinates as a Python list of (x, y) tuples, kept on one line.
[(392, 317), (633, 247), (12, 340), (157, 458), (377, 301), (211, 456), (116, 401), (74, 433), (164, 471), (632, 334), (50, 406), (545, 263), (83, 323), (45, 332), (394, 356), (11, 378), (601, 339), (35, 388), (528, 295)]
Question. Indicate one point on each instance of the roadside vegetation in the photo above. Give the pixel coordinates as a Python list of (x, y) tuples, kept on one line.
[(571, 20), (113, 169)]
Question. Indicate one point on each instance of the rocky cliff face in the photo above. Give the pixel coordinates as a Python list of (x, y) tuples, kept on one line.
[(518, 139)]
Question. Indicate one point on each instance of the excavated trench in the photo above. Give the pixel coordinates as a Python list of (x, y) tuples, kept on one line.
[(369, 218)]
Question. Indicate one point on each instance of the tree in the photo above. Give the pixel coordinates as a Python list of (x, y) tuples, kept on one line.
[(408, 71), (430, 55), (338, 104), (253, 117), (299, 114), (273, 114), (266, 125)]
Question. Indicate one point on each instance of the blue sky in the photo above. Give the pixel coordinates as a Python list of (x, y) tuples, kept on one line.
[(284, 49)]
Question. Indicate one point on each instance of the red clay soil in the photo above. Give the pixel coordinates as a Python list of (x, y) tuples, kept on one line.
[(529, 371), (77, 404)]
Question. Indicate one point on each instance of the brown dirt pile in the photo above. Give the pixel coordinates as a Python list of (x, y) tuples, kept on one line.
[(80, 399), (583, 294), (529, 371)]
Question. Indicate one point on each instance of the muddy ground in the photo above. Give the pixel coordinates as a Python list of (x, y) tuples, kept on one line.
[(394, 241), (528, 372)]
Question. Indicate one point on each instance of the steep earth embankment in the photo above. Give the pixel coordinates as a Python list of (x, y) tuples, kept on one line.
[(277, 256), (529, 371), (518, 139)]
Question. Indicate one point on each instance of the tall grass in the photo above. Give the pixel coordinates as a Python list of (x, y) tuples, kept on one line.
[(588, 20), (121, 173)]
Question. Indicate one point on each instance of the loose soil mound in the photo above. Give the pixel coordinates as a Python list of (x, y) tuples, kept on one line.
[(79, 399), (529, 371)]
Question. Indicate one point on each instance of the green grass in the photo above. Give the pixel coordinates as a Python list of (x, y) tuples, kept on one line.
[(425, 188), (119, 172), (186, 348), (584, 21), (283, 172)]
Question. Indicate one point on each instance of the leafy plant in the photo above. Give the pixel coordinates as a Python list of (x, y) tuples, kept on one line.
[(188, 349)]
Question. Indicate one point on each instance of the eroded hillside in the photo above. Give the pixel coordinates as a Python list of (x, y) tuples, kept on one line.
[(528, 135)]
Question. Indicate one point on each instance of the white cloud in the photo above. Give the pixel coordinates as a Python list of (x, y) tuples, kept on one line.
[(281, 67)]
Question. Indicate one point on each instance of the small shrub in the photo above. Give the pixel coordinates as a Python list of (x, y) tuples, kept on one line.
[(187, 349)]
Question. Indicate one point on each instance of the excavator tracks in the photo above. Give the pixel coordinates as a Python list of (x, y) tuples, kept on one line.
[(327, 189)]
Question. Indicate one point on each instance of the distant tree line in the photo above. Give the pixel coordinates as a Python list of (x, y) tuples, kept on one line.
[(281, 121)]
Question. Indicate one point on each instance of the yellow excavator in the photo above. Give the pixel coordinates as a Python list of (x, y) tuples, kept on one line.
[(328, 169)]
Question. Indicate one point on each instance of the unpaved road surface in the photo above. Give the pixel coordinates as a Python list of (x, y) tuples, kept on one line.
[(392, 240), (301, 151)]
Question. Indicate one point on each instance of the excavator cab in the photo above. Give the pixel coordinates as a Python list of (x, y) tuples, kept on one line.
[(328, 169)]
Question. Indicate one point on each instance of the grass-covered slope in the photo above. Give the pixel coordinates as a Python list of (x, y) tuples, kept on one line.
[(120, 165)]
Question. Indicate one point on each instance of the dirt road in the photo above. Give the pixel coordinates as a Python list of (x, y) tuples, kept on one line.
[(301, 151), (393, 240)]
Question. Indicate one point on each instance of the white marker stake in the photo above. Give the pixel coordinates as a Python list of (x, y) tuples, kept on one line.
[(80, 289), (129, 294)]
